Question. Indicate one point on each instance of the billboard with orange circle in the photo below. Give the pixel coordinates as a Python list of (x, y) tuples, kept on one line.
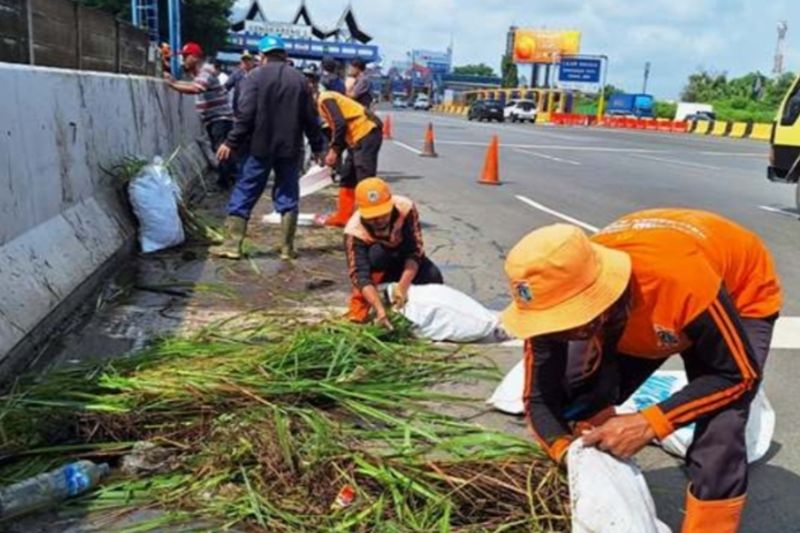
[(545, 46)]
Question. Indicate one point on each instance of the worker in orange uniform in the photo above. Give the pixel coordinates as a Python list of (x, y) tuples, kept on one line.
[(355, 127), (600, 315), (383, 241)]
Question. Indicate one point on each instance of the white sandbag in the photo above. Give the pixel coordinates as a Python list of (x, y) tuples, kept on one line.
[(442, 313), (663, 383), (507, 397), (608, 495), (317, 178), (303, 219), (154, 197)]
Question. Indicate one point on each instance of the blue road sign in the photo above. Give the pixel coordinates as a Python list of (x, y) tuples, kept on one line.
[(577, 70)]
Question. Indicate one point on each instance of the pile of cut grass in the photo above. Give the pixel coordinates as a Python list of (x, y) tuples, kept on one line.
[(264, 424)]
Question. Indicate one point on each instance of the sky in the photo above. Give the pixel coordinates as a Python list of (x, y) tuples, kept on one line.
[(678, 37)]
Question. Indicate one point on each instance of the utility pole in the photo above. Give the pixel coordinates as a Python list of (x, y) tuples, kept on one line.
[(646, 77), (780, 48)]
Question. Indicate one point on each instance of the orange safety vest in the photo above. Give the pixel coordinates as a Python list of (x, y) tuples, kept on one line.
[(356, 228), (680, 260), (359, 125)]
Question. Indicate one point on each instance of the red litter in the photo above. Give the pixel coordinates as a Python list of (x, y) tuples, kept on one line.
[(345, 497)]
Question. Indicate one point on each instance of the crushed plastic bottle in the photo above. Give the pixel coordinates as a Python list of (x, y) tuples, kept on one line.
[(50, 488)]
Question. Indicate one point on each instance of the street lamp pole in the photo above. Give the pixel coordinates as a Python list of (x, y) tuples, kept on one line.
[(174, 14)]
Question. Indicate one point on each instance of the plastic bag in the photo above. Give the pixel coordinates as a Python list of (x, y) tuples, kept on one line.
[(154, 197), (608, 495), (507, 397), (442, 313), (663, 383)]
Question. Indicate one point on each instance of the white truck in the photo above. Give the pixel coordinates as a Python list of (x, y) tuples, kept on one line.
[(693, 111)]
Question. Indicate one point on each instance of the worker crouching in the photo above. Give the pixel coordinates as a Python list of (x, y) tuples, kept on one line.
[(600, 315), (383, 241)]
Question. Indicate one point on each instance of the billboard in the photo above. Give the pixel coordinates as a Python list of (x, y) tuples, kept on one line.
[(545, 46), (438, 63), (580, 74)]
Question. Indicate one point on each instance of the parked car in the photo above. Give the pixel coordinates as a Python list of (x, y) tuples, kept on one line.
[(422, 102), (702, 115), (520, 111), (399, 103), (486, 110)]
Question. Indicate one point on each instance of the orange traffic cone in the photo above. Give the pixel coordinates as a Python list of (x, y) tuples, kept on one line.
[(387, 127), (428, 149), (491, 175)]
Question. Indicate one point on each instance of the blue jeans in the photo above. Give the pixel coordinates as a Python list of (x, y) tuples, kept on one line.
[(253, 180)]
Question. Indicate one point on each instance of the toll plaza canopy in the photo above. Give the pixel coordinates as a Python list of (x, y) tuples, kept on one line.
[(304, 39)]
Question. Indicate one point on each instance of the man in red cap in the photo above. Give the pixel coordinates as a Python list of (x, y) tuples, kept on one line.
[(212, 104), (600, 315), (383, 242)]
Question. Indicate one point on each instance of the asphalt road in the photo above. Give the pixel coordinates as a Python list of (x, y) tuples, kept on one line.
[(590, 177)]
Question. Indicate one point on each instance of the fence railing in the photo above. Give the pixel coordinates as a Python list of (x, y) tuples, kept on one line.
[(65, 34)]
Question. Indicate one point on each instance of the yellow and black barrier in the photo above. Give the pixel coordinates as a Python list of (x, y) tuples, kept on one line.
[(737, 130)]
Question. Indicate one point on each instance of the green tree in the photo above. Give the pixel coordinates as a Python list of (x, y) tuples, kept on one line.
[(202, 21), (509, 72), (480, 69)]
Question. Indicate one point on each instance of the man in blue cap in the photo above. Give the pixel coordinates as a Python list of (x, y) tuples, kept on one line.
[(275, 110)]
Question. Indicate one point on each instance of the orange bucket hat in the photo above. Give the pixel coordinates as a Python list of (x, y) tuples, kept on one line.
[(373, 198), (560, 280)]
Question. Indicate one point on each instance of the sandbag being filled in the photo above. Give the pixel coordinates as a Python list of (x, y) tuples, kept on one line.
[(442, 313)]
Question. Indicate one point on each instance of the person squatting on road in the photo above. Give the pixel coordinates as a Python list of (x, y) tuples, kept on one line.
[(600, 315), (355, 127), (383, 243), (211, 102), (275, 109)]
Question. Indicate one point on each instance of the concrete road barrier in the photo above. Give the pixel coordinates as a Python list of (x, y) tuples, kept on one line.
[(61, 220), (738, 130), (761, 132)]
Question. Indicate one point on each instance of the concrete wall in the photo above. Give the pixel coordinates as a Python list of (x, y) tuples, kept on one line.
[(61, 218)]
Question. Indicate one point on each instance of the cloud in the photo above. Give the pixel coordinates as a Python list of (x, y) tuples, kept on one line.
[(676, 36)]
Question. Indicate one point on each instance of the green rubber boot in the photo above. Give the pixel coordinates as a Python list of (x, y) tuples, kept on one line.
[(231, 248), (289, 228)]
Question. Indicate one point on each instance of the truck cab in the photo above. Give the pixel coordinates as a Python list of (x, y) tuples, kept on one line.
[(784, 153)]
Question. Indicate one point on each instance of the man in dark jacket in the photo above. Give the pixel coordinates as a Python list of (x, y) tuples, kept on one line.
[(275, 110)]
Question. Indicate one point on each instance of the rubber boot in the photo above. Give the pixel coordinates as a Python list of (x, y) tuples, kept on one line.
[(231, 248), (288, 228), (346, 208), (712, 516)]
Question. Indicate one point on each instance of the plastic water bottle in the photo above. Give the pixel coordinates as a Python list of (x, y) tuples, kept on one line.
[(50, 488)]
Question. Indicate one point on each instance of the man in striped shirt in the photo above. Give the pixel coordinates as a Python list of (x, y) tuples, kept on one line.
[(212, 104)]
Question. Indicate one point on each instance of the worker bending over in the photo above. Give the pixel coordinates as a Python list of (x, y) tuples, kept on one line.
[(383, 241), (600, 315), (355, 127)]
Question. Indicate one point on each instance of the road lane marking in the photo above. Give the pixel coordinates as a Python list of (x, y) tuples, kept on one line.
[(558, 147), (785, 336), (677, 162), (787, 212), (407, 147), (545, 156), (558, 214), (736, 154)]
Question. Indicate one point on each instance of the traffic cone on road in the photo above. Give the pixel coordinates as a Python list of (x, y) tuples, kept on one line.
[(428, 149), (387, 127), (491, 175)]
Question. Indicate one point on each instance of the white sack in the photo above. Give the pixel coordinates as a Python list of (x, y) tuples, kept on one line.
[(442, 313), (507, 397), (663, 383), (608, 495), (316, 179), (154, 197)]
